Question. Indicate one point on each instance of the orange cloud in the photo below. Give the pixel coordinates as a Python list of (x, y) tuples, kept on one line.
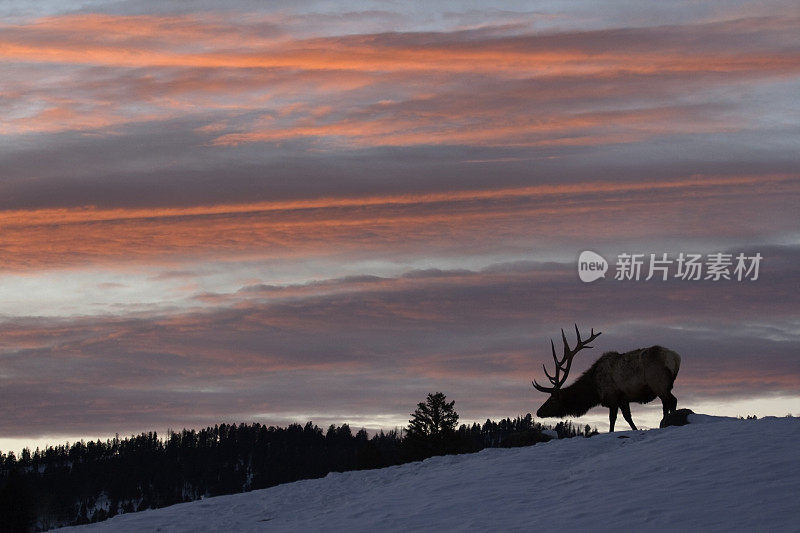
[(59, 238), (194, 64), (526, 130), (139, 41)]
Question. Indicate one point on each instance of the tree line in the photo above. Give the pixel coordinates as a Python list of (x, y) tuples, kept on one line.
[(91, 481)]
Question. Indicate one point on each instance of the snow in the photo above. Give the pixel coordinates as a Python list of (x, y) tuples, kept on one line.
[(550, 433), (715, 474), (695, 418)]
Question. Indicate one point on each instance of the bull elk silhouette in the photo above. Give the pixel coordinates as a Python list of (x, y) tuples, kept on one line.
[(614, 381)]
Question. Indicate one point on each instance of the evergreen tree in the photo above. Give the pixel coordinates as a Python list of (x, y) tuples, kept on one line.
[(62, 485), (433, 418), (431, 430)]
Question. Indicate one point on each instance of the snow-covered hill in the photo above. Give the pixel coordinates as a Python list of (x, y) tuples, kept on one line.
[(712, 475)]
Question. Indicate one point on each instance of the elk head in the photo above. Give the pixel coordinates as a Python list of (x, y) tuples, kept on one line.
[(554, 406)]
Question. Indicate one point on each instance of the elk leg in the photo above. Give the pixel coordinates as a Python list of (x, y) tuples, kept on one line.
[(612, 417), (626, 413), (669, 403), (673, 403)]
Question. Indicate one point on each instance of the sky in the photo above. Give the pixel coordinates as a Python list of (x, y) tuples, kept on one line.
[(319, 210)]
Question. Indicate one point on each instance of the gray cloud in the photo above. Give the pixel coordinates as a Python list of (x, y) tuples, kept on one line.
[(375, 346)]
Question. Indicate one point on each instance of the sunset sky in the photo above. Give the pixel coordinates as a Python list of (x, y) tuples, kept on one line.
[(319, 210)]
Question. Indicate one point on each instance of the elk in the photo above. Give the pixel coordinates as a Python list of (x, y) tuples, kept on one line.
[(614, 381)]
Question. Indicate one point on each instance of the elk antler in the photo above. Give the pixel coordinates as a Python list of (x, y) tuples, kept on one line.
[(557, 380)]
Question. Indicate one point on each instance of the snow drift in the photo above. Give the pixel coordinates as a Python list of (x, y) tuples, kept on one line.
[(713, 475)]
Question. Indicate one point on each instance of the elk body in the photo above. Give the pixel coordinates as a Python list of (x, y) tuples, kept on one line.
[(615, 381)]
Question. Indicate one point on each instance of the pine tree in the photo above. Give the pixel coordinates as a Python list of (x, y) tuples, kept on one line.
[(432, 428), (433, 418)]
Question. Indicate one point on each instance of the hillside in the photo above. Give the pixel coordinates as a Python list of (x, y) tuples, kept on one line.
[(715, 475)]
